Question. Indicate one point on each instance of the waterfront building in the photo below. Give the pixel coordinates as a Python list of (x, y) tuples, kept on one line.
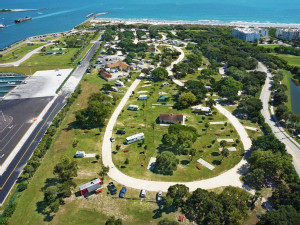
[(249, 34), (288, 34)]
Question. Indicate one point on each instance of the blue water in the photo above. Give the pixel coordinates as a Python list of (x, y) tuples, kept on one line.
[(61, 15), (295, 93)]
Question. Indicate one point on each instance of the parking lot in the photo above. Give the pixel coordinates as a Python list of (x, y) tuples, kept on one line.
[(41, 84)]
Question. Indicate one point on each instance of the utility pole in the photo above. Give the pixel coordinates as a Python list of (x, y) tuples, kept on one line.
[(3, 116)]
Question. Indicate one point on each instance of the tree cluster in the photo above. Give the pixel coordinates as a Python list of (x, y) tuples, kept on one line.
[(204, 207), (180, 138), (98, 109)]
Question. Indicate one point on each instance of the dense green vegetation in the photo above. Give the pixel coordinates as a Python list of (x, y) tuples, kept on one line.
[(203, 207)]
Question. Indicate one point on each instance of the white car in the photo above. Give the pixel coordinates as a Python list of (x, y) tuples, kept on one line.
[(159, 196), (143, 193)]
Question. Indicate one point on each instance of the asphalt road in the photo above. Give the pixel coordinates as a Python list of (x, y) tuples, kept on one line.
[(21, 120), (10, 176), (271, 120)]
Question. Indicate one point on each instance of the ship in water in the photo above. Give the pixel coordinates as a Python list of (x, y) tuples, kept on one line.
[(90, 15), (21, 20), (2, 25)]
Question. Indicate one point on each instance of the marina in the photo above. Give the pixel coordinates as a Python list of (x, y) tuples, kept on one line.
[(9, 81)]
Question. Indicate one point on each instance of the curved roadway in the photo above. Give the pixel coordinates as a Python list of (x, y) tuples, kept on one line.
[(27, 56), (291, 145), (230, 177)]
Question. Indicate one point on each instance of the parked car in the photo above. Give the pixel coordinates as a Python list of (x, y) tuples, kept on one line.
[(159, 196), (122, 192), (121, 132), (143, 193), (112, 188), (112, 139)]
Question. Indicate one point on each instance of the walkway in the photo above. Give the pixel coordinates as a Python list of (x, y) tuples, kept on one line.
[(27, 56), (291, 145), (169, 68), (230, 177)]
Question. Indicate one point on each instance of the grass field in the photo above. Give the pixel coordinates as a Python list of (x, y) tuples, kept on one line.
[(291, 59), (19, 52), (51, 60), (29, 70), (77, 210), (286, 81), (270, 46), (206, 144)]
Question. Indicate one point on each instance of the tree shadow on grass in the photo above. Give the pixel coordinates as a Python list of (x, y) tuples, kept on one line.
[(215, 153), (84, 125), (185, 162), (217, 162), (158, 212), (41, 208), (50, 182)]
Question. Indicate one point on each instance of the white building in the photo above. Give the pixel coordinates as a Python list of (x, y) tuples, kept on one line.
[(288, 34), (249, 34), (134, 138)]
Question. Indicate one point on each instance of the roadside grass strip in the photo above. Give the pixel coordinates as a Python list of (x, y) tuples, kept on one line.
[(224, 139), (231, 149), (151, 163), (206, 164)]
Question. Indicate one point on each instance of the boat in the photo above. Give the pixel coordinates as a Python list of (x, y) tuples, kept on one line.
[(2, 26), (21, 20), (90, 15), (40, 13)]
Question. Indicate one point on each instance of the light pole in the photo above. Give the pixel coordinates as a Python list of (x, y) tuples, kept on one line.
[(3, 116)]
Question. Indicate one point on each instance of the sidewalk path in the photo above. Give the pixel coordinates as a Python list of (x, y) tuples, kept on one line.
[(230, 177), (178, 60), (27, 56)]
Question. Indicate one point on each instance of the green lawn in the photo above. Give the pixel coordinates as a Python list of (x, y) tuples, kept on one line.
[(206, 145), (51, 60), (77, 210), (291, 59), (30, 69), (18, 53), (270, 46), (286, 81)]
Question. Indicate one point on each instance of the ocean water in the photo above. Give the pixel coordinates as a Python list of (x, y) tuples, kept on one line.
[(62, 15)]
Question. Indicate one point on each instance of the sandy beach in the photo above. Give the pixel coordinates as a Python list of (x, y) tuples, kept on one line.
[(198, 22)]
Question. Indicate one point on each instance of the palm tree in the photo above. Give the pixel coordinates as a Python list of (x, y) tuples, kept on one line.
[(223, 144), (224, 153), (210, 103), (153, 127), (192, 153)]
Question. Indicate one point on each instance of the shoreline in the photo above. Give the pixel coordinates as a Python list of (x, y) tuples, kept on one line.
[(195, 22), (16, 10)]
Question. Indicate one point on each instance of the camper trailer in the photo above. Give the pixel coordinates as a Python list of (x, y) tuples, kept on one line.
[(143, 97), (80, 154), (134, 138), (133, 107)]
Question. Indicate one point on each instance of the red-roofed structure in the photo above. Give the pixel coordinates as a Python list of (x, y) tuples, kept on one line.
[(171, 118)]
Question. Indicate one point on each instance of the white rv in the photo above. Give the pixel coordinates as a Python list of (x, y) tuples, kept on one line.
[(133, 107), (134, 138), (143, 97)]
